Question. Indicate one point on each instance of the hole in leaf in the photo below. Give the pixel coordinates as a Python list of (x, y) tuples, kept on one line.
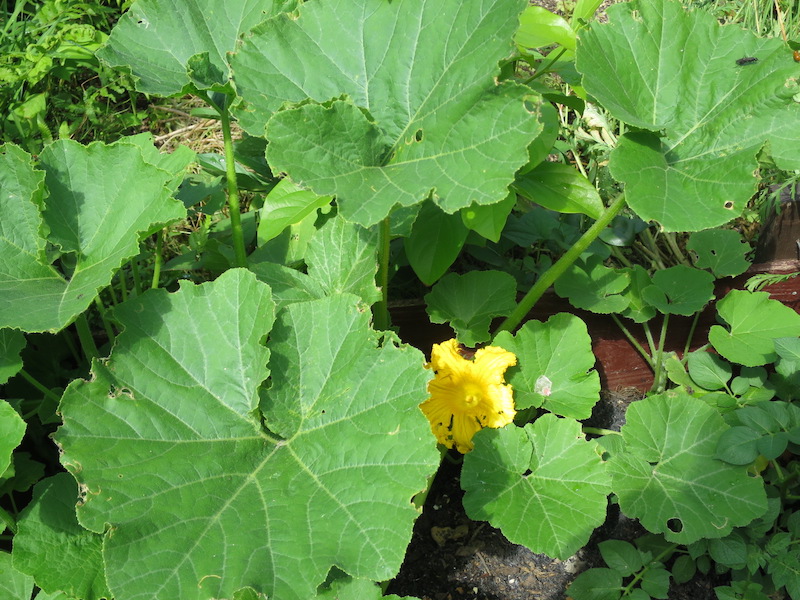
[(675, 525), (527, 473), (728, 204), (418, 135)]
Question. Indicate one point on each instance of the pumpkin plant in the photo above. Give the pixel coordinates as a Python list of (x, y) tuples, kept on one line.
[(261, 431)]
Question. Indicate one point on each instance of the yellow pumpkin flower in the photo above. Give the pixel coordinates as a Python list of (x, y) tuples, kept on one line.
[(467, 395)]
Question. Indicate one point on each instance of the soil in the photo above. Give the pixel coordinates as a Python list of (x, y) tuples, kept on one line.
[(452, 557)]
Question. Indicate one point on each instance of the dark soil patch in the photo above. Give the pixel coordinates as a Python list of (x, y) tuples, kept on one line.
[(452, 557)]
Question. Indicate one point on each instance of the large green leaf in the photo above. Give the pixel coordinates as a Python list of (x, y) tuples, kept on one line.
[(544, 486), (668, 476), (721, 250), (554, 365), (418, 110), (209, 487), (590, 285), (101, 199), (51, 546), (755, 323), (174, 46), (675, 74)]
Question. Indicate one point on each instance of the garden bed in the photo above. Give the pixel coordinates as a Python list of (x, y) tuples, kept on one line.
[(452, 557)]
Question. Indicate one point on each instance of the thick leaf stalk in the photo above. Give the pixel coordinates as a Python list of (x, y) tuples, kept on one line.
[(549, 277), (233, 189)]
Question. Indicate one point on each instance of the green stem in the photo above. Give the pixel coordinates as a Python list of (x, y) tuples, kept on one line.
[(691, 335), (39, 386), (157, 260), (12, 19), (381, 309), (123, 284), (570, 256), (648, 359), (640, 575), (618, 254), (651, 241), (659, 357), (233, 188), (650, 342), (137, 278), (546, 68), (66, 335), (113, 294), (676, 251), (106, 324), (90, 350)]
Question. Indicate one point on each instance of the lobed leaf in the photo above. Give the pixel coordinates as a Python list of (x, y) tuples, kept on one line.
[(417, 110), (173, 441), (755, 322), (679, 290), (592, 286), (52, 547), (561, 351), (668, 476), (544, 485), (721, 250), (175, 46), (702, 117), (102, 198)]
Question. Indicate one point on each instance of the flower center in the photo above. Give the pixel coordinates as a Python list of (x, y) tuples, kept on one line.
[(472, 395)]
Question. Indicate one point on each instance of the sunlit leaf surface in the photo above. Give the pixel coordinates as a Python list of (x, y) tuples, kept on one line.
[(174, 45), (544, 486), (555, 366), (418, 111), (668, 476), (205, 498), (675, 74)]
